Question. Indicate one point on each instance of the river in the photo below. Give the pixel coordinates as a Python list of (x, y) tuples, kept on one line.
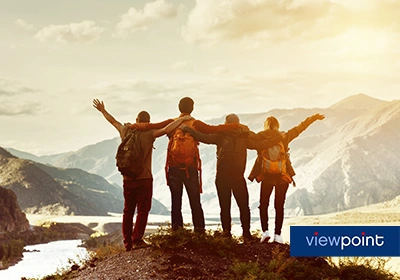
[(51, 257)]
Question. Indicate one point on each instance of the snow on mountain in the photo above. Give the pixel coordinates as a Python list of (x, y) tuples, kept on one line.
[(337, 161), (357, 165)]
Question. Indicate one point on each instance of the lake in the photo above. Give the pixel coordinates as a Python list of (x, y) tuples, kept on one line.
[(51, 257)]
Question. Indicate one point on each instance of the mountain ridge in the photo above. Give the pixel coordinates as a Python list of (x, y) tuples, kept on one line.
[(327, 147)]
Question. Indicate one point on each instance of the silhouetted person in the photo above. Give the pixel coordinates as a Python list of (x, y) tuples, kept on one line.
[(231, 163), (138, 191), (186, 174), (270, 181)]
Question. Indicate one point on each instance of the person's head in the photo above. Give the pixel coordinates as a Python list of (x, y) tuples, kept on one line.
[(271, 123), (186, 105), (232, 118), (142, 117)]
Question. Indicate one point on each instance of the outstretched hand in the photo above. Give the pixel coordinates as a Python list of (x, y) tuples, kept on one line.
[(319, 116), (99, 105)]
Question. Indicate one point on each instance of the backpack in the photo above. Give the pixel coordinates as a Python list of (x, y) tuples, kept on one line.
[(183, 150), (275, 161), (130, 155)]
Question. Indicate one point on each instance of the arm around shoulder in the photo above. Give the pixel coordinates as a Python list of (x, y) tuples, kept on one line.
[(202, 137), (171, 126)]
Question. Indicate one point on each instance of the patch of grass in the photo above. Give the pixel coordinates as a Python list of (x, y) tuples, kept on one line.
[(282, 266), (108, 250), (213, 242), (364, 268)]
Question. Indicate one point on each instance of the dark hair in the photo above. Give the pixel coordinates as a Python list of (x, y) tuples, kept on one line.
[(232, 118), (143, 116), (271, 123), (186, 105)]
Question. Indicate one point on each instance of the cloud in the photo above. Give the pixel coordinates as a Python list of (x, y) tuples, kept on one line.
[(11, 88), (15, 46), (152, 12), (26, 108), (14, 99), (83, 32), (24, 25), (220, 70), (215, 21), (182, 66)]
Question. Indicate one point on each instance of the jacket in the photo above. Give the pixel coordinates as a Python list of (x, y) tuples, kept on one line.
[(291, 134)]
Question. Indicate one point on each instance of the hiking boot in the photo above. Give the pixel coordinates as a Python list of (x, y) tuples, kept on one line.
[(140, 244), (266, 236), (199, 230), (278, 238), (248, 238), (226, 234)]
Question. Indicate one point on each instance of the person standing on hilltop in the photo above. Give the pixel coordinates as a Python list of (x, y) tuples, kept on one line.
[(183, 167), (274, 170), (231, 163), (138, 191)]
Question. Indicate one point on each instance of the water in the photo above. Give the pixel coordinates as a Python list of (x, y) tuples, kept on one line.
[(52, 256)]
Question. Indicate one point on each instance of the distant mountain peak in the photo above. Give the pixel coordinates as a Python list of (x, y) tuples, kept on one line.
[(358, 101)]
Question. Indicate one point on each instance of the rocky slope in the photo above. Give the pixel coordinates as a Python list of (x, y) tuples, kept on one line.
[(11, 217)]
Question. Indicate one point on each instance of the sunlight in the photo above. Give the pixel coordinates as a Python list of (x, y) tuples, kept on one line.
[(358, 42)]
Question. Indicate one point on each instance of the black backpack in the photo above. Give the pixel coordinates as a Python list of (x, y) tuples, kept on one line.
[(130, 155)]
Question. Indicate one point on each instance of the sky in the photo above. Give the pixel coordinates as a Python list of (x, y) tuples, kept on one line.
[(240, 56)]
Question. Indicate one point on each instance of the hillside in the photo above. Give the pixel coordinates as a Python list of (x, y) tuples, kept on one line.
[(45, 189)]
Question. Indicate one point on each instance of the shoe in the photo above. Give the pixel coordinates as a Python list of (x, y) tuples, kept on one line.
[(266, 236), (278, 238), (140, 244), (200, 230), (248, 238), (226, 234)]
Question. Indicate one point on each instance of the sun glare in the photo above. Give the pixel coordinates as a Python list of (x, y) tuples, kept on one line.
[(358, 43)]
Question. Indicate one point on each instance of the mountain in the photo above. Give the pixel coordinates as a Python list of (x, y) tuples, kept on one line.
[(11, 217), (358, 165), (359, 101), (336, 160), (46, 189)]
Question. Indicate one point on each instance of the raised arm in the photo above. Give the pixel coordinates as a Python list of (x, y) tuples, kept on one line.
[(297, 130), (202, 137), (171, 126), (99, 105)]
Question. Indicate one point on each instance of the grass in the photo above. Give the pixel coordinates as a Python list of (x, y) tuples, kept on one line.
[(167, 239)]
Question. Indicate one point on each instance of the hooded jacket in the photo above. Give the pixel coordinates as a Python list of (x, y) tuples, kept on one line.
[(256, 172)]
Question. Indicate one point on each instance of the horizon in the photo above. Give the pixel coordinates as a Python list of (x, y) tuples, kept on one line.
[(240, 56)]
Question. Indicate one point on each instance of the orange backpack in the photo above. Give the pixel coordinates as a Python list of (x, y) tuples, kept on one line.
[(183, 150), (274, 161)]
